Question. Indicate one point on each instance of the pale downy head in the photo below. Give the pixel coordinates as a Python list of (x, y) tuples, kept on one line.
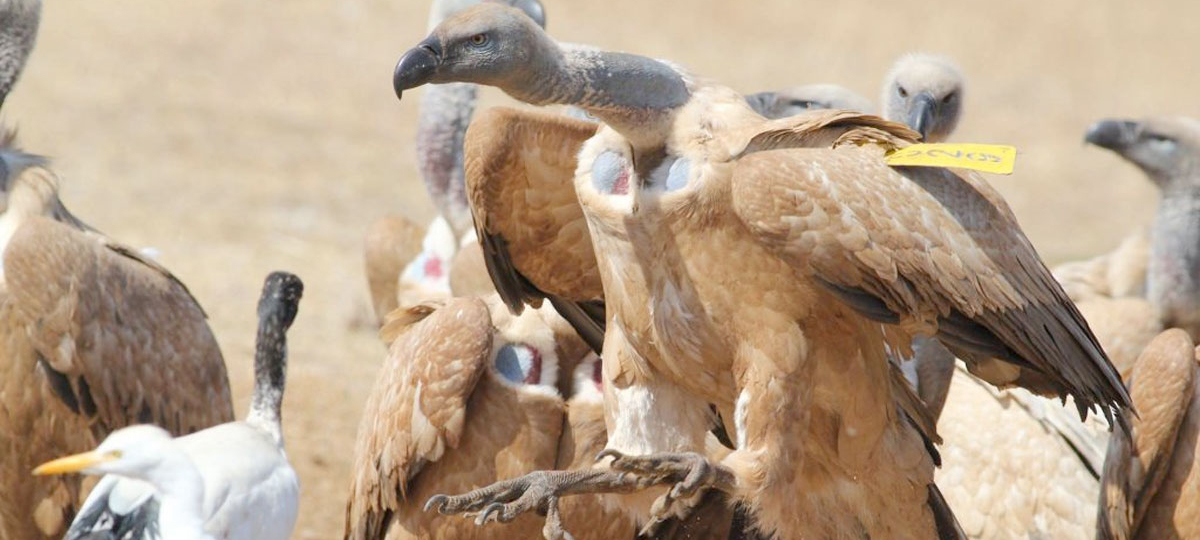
[(490, 43), (133, 452), (1165, 148), (926, 92)]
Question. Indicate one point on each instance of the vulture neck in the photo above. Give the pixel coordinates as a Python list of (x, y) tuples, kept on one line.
[(18, 31), (181, 496), (446, 111), (1173, 275), (270, 372), (635, 95)]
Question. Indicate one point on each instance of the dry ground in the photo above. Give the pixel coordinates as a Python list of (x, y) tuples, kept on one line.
[(242, 137)]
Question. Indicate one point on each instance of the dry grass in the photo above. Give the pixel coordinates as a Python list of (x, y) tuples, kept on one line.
[(242, 137)]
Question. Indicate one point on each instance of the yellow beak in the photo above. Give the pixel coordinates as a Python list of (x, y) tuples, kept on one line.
[(75, 463)]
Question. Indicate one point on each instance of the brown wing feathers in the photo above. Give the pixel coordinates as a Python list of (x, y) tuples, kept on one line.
[(958, 258), (519, 172)]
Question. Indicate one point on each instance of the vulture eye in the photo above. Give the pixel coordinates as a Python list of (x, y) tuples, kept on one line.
[(950, 97), (900, 90), (116, 454), (479, 39)]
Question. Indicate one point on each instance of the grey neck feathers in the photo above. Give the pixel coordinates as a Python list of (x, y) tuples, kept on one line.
[(270, 372), (635, 95), (18, 31), (1173, 274), (446, 111)]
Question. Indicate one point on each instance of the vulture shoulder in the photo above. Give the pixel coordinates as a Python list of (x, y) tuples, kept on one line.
[(114, 332), (418, 407), (1162, 385), (520, 167), (917, 246)]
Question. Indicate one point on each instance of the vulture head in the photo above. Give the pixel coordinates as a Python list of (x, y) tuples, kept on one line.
[(490, 44), (1166, 149), (925, 92)]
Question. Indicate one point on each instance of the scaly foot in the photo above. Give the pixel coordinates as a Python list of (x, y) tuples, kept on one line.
[(538, 491), (692, 475)]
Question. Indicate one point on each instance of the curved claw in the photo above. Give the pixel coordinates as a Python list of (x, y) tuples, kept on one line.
[(494, 508), (438, 501), (609, 452)]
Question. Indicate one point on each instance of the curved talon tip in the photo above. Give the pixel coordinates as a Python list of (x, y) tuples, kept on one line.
[(438, 501), (488, 511), (609, 452)]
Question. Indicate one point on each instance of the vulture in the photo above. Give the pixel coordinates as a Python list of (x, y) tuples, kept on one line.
[(764, 267), (1150, 486), (1165, 150), (227, 482), (441, 123), (926, 92), (988, 476), (470, 394), (96, 337)]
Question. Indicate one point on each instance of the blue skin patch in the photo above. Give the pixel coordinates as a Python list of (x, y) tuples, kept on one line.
[(671, 174), (610, 173), (677, 177), (508, 363)]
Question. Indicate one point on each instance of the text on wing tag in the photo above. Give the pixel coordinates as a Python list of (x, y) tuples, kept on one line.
[(992, 158)]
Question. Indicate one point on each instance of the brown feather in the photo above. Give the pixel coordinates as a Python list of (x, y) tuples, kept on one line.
[(519, 166), (97, 340), (1163, 386)]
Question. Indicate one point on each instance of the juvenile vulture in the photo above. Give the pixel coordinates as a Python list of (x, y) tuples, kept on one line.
[(925, 92), (1165, 149), (748, 264), (18, 31), (1151, 482), (95, 338), (228, 482), (468, 395)]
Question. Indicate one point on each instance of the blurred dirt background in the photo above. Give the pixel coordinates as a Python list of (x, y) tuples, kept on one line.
[(242, 137)]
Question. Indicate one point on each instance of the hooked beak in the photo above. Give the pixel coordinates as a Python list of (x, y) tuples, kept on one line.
[(921, 116), (1112, 134), (75, 463), (417, 66)]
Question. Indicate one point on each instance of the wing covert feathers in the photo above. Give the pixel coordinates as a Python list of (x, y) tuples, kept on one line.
[(1162, 386), (417, 409), (937, 247), (115, 331), (520, 167)]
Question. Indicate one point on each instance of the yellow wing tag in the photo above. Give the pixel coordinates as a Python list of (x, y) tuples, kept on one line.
[(992, 158)]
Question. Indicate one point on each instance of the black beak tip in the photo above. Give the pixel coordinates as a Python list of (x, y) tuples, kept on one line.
[(415, 68), (1111, 134)]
